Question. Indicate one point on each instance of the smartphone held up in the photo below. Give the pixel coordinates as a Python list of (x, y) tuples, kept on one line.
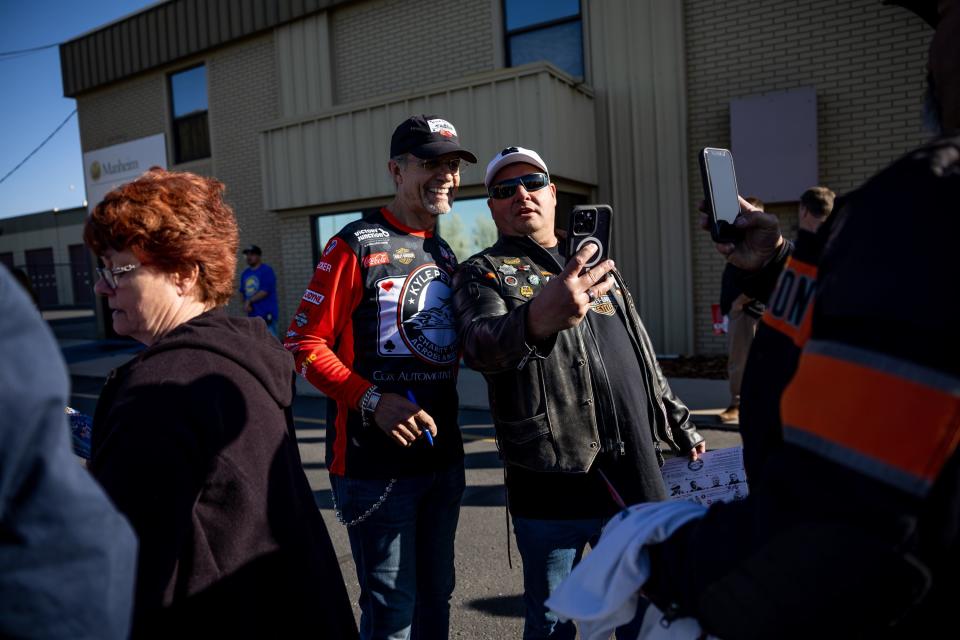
[(590, 224), (720, 192)]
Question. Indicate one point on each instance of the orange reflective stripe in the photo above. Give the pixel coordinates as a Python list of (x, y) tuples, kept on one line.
[(888, 418), (790, 309)]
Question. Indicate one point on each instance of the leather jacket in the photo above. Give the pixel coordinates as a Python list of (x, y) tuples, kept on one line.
[(541, 395)]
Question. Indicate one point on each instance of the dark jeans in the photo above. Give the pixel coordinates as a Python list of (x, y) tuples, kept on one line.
[(404, 552), (549, 550)]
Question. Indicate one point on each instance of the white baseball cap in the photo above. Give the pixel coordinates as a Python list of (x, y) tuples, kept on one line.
[(513, 155)]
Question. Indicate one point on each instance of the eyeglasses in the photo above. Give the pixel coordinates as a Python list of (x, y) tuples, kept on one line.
[(531, 182), (112, 276), (451, 164)]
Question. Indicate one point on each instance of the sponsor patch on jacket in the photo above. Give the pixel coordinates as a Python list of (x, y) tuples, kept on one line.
[(363, 235), (325, 266), (513, 261), (533, 279), (330, 247), (507, 270), (313, 297), (375, 259), (510, 281), (301, 319), (603, 305), (404, 255), (526, 291)]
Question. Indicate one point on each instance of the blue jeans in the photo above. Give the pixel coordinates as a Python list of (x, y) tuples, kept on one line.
[(549, 550), (404, 552)]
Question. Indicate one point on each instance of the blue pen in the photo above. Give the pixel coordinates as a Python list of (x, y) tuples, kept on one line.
[(426, 432)]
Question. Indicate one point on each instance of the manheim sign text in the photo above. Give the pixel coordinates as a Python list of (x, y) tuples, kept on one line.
[(108, 168)]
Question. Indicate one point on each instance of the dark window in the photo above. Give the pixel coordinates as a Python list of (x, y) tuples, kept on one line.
[(188, 103), (548, 30), (81, 275), (43, 276), (7, 258), (327, 225)]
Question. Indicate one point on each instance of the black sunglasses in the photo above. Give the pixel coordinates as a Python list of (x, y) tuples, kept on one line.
[(531, 182)]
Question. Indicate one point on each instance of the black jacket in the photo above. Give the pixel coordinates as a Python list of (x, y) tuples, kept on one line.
[(850, 431), (541, 396), (193, 440)]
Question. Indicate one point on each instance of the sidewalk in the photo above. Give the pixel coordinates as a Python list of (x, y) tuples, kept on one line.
[(95, 358)]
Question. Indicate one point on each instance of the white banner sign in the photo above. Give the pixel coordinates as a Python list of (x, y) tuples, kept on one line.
[(107, 168)]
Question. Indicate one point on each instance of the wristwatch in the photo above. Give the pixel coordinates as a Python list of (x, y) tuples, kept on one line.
[(368, 403)]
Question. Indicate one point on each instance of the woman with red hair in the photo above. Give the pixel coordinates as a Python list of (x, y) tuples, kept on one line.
[(193, 439)]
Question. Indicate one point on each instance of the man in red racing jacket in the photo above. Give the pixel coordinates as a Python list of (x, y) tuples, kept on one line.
[(375, 332)]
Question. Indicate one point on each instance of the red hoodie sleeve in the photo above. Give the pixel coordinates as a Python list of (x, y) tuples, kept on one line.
[(324, 320)]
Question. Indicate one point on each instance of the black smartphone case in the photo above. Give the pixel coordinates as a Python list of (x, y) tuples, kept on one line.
[(600, 236), (720, 230)]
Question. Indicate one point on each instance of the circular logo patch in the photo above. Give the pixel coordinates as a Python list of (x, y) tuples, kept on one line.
[(426, 318)]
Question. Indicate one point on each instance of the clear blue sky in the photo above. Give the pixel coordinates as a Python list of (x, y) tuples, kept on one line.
[(33, 103)]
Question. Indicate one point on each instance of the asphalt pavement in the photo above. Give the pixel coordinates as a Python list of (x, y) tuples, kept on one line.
[(487, 600)]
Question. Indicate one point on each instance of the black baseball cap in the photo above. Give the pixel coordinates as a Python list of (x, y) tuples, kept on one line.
[(427, 137), (253, 249)]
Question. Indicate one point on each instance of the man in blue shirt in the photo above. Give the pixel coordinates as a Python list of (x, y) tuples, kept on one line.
[(258, 286)]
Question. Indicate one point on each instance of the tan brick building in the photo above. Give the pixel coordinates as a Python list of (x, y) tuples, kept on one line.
[(299, 99)]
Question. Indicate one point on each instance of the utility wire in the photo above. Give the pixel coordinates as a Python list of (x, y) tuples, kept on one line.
[(30, 50), (40, 146)]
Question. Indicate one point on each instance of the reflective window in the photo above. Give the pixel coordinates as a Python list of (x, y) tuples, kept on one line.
[(548, 30), (468, 228), (326, 226), (188, 104)]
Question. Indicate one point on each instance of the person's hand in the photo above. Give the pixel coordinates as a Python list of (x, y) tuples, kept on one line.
[(565, 300), (402, 420), (698, 450), (761, 238)]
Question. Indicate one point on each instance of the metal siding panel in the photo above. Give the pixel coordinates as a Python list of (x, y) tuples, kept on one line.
[(73, 58), (312, 61), (298, 66), (145, 41), (197, 25), (295, 151), (344, 143), (237, 10), (281, 11), (251, 8), (341, 151), (285, 66), (179, 28), (68, 69), (129, 52), (311, 161), (324, 62), (281, 169), (96, 68), (635, 58), (328, 173)]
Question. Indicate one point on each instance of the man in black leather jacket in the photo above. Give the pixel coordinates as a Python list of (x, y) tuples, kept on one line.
[(577, 397)]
